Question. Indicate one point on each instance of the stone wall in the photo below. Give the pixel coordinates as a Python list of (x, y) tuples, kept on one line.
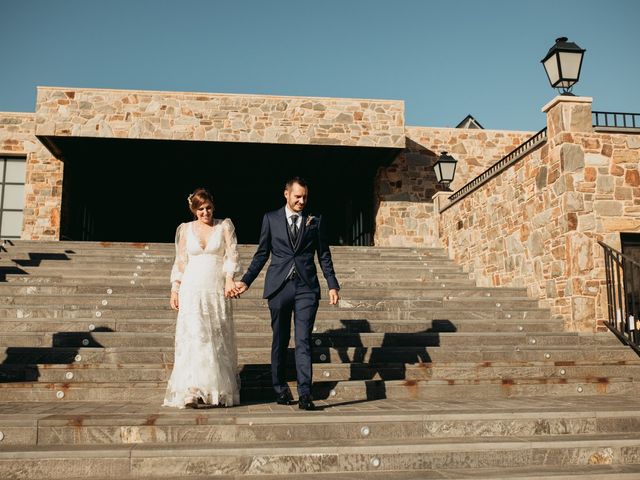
[(537, 224), (219, 117), (404, 190), (17, 133), (43, 183)]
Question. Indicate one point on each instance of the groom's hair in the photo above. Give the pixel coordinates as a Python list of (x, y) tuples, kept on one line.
[(299, 180)]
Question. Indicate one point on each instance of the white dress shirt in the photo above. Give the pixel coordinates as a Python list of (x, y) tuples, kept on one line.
[(289, 213)]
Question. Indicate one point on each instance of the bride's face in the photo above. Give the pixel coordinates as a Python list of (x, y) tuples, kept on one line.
[(204, 214)]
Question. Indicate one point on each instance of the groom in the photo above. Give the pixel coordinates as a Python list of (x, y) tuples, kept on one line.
[(291, 285)]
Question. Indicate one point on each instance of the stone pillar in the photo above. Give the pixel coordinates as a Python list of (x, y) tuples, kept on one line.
[(566, 113), (440, 199), (569, 119)]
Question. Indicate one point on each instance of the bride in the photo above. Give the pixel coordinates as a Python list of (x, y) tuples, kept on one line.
[(205, 368)]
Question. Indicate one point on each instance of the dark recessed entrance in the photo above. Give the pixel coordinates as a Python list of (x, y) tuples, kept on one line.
[(136, 190)]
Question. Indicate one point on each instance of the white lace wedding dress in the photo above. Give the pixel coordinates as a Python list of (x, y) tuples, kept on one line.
[(205, 367)]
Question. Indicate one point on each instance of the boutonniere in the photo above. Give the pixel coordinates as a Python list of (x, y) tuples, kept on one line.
[(310, 219)]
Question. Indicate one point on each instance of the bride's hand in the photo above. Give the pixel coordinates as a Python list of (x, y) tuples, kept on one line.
[(174, 302), (230, 290)]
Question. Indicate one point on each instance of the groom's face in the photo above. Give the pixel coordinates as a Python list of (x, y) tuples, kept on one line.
[(296, 197)]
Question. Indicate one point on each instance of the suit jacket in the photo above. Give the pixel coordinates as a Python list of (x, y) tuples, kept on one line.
[(275, 240)]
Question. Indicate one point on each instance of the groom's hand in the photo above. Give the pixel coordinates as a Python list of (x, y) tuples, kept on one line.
[(334, 296), (241, 287)]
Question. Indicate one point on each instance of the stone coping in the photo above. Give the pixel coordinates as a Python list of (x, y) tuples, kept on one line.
[(213, 94), (565, 99)]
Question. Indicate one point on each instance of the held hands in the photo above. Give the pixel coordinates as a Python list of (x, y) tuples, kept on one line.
[(231, 288), (241, 287)]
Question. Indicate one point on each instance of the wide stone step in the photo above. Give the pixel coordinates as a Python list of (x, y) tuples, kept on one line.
[(259, 311), (327, 355), (260, 374), (44, 259), (348, 298), (258, 458), (539, 417), (260, 323), (17, 294), (320, 340), (336, 390)]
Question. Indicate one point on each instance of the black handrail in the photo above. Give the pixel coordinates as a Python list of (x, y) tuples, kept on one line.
[(616, 119), (502, 164), (623, 296)]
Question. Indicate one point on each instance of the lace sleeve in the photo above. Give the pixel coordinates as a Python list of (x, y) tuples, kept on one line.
[(231, 264), (181, 258)]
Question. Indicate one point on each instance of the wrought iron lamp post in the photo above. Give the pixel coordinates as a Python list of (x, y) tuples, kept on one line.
[(562, 64), (445, 169)]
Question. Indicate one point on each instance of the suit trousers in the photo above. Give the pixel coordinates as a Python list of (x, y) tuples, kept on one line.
[(297, 298)]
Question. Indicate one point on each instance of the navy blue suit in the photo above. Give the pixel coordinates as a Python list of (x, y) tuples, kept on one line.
[(298, 295)]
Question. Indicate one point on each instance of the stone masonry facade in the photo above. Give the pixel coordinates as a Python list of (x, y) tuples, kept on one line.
[(218, 117), (43, 183), (404, 190), (537, 224)]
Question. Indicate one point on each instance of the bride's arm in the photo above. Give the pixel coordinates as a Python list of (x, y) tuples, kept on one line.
[(178, 264), (231, 264)]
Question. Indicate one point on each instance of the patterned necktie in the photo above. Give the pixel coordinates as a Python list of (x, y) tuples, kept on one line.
[(294, 228)]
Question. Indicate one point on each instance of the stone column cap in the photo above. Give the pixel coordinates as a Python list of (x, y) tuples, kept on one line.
[(565, 99), (442, 194)]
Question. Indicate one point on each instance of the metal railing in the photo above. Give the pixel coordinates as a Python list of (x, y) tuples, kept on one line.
[(498, 167), (616, 119), (623, 295)]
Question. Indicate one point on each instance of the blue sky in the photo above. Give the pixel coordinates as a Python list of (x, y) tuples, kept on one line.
[(445, 59)]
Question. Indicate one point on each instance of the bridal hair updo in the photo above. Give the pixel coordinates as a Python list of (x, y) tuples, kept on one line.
[(199, 197)]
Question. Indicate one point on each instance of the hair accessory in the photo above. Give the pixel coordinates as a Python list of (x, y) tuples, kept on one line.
[(189, 199)]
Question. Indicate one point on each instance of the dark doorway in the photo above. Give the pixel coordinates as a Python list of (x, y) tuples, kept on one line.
[(136, 190)]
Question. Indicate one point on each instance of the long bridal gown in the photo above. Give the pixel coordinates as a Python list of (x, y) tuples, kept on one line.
[(205, 368)]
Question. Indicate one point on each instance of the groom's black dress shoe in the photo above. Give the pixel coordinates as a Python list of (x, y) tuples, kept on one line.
[(284, 398), (305, 403)]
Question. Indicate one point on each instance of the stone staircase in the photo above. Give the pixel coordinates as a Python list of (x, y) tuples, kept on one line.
[(418, 373)]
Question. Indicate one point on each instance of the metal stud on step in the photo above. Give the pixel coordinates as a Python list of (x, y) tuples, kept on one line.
[(508, 315), (135, 274), (315, 329), (85, 342), (318, 342), (323, 357), (533, 341), (332, 393), (326, 373), (563, 371), (139, 267), (77, 358), (365, 431), (375, 462), (1, 436), (60, 394), (109, 291), (92, 327), (104, 302), (133, 282), (498, 305), (68, 375), (547, 355), (488, 294), (520, 328), (580, 390), (98, 314)]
